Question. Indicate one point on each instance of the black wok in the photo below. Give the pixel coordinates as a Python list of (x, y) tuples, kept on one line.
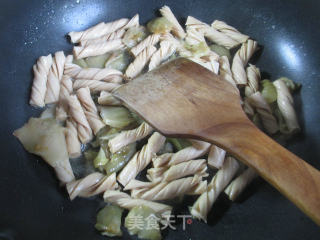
[(32, 204)]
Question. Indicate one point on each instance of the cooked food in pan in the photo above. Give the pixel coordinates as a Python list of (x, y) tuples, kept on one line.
[(99, 147)]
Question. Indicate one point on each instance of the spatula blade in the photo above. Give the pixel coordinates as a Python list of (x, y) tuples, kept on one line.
[(181, 98)]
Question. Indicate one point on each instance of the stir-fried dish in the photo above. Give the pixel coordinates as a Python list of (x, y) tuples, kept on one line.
[(97, 146)]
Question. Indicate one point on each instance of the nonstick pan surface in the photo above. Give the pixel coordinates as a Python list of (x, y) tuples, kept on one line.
[(33, 206)]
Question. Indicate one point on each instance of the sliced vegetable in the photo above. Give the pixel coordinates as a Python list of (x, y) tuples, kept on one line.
[(103, 131), (283, 128), (95, 143), (49, 112), (293, 86), (144, 222), (117, 117), (103, 138), (167, 148), (173, 56), (159, 25), (120, 158), (136, 117), (118, 60), (221, 51), (179, 143), (80, 62), (104, 146), (90, 154), (97, 61), (100, 160), (109, 134), (268, 91), (134, 35), (198, 50), (109, 221), (45, 138)]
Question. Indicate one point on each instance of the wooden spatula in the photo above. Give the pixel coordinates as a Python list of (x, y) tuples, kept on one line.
[(183, 99)]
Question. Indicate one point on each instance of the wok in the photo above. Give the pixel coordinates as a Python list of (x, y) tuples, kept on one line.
[(33, 206)]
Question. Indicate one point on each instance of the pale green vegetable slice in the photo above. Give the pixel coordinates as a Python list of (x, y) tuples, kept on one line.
[(97, 61), (80, 62), (109, 221), (95, 143), (293, 86), (144, 222), (173, 56), (136, 117), (109, 134), (118, 60), (179, 143), (49, 112), (45, 138), (90, 154), (268, 91), (103, 138), (167, 148), (104, 146), (221, 51), (159, 25), (120, 158), (198, 50), (103, 131), (283, 128), (117, 117), (101, 159), (134, 35)]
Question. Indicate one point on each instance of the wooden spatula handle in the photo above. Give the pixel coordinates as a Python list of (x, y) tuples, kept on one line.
[(292, 176), (183, 99)]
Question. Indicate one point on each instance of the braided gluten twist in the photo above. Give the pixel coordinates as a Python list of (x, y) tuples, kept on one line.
[(177, 30), (98, 48), (39, 85), (198, 149), (237, 186), (93, 184), (168, 190), (105, 74), (164, 52), (129, 136), (203, 204), (149, 41), (65, 91), (139, 62), (211, 33), (285, 104), (125, 201), (108, 37), (72, 140), (107, 98), (241, 59), (229, 31), (78, 116), (254, 77), (141, 159), (90, 109), (269, 122), (216, 157), (95, 85), (54, 77), (97, 30)]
